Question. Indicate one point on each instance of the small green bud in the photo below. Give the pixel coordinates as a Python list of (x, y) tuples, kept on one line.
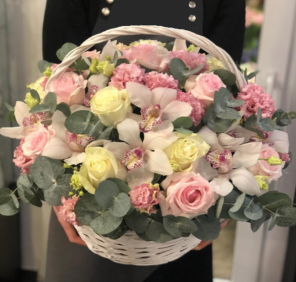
[(106, 68), (81, 193), (274, 161), (93, 66), (47, 72), (262, 182), (30, 101), (191, 48)]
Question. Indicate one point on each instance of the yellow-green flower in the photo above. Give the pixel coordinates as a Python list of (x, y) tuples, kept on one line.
[(191, 48), (38, 87), (274, 161), (147, 42), (47, 72), (66, 165), (262, 182), (75, 182), (214, 64), (93, 66), (106, 68), (30, 101)]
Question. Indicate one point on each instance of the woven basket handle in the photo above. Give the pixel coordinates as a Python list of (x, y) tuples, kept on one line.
[(110, 34)]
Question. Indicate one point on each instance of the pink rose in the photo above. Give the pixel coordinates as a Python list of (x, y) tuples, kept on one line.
[(263, 168), (204, 87), (143, 197), (21, 161), (69, 87), (35, 142), (187, 194), (67, 209)]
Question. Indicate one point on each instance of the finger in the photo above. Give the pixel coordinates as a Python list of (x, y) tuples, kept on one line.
[(202, 245), (223, 224)]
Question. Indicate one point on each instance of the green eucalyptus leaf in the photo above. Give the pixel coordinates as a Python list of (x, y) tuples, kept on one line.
[(281, 118), (106, 193), (176, 226), (34, 199), (252, 74), (178, 69), (15, 201), (25, 183), (106, 133), (5, 196), (97, 129), (221, 99), (157, 233), (121, 205), (235, 103), (156, 178), (208, 228), (77, 122), (64, 50), (253, 211), (256, 224), (240, 215), (259, 115), (227, 77), (8, 209), (9, 108), (41, 108), (59, 189), (272, 222), (183, 122), (121, 185), (183, 130), (220, 125), (229, 114), (80, 65), (50, 101), (267, 124), (44, 171), (238, 203), (10, 116), (137, 222), (194, 71), (219, 206), (292, 115), (35, 94), (87, 209), (105, 223), (118, 232), (43, 65), (64, 108), (286, 217), (115, 58), (122, 61)]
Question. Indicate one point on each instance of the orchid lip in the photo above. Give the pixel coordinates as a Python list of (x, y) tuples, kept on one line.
[(133, 158), (151, 116)]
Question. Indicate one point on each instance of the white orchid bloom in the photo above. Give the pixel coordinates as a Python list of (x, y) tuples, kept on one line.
[(180, 44), (279, 140), (144, 158), (157, 105)]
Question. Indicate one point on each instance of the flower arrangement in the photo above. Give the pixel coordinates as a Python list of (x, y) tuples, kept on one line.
[(150, 139)]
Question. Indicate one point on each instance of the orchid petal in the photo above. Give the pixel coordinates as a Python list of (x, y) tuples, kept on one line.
[(247, 154), (121, 173), (98, 143), (75, 159), (57, 149), (164, 206), (139, 94), (58, 125), (180, 44), (176, 177), (163, 96), (210, 138), (280, 141), (204, 168), (190, 83), (139, 176), (158, 162), (241, 132), (245, 181), (99, 80), (175, 110), (77, 96), (21, 110), (129, 132), (109, 50), (134, 117), (229, 142), (13, 132), (221, 185), (117, 148)]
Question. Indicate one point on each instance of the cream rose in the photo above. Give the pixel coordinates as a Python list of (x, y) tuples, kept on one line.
[(185, 150), (186, 194), (110, 105), (38, 86), (99, 164)]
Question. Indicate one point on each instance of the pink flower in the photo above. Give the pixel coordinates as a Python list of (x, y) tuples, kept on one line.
[(43, 83), (155, 79), (150, 56), (67, 209), (126, 73), (187, 194), (204, 86), (143, 197), (77, 142), (22, 161), (285, 157), (198, 110), (263, 168), (191, 60), (69, 88), (255, 97), (35, 142), (91, 54), (222, 161)]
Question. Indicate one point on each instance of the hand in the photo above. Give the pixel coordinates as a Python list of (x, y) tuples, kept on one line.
[(204, 244), (69, 229)]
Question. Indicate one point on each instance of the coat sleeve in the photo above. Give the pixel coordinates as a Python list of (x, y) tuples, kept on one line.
[(67, 21), (227, 27)]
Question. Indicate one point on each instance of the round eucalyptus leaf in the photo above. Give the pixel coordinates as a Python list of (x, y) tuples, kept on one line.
[(176, 226), (30, 199), (267, 124), (137, 222), (64, 50), (41, 108), (105, 223), (178, 69), (274, 200), (183, 130), (64, 108), (226, 76), (87, 209), (183, 122), (106, 193), (253, 211), (219, 206), (122, 186), (5, 196), (50, 101), (286, 217), (157, 233), (272, 223), (229, 113), (238, 203), (15, 201), (117, 233), (35, 94), (208, 229), (25, 183), (8, 209), (121, 205), (235, 103)]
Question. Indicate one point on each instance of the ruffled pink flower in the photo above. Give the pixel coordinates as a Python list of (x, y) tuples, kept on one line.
[(198, 110), (155, 79), (126, 73), (21, 161), (67, 210), (191, 60), (285, 157), (43, 83), (255, 97), (143, 197)]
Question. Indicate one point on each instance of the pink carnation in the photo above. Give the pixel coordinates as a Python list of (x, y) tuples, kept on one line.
[(285, 157), (22, 161), (198, 110), (67, 209), (143, 197), (255, 97), (126, 73), (191, 60), (155, 79)]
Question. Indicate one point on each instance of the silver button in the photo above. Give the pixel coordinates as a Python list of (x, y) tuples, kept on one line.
[(192, 4), (105, 11), (110, 1), (192, 18)]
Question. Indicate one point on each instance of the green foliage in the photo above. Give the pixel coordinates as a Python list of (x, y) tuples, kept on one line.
[(50, 101), (41, 108), (251, 124), (256, 224), (183, 122), (118, 232), (281, 118), (80, 65), (208, 227), (157, 233), (122, 61), (10, 116), (35, 95), (238, 203), (286, 216), (137, 222), (64, 50), (121, 205), (176, 226), (43, 65), (34, 199), (219, 206), (227, 77), (266, 124), (105, 223), (253, 211), (105, 194), (24, 182), (64, 108), (121, 185), (9, 204)]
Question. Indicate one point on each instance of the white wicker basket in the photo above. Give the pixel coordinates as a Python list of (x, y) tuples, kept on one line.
[(130, 249)]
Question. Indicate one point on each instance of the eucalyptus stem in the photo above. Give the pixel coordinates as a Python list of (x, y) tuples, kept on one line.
[(15, 190)]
